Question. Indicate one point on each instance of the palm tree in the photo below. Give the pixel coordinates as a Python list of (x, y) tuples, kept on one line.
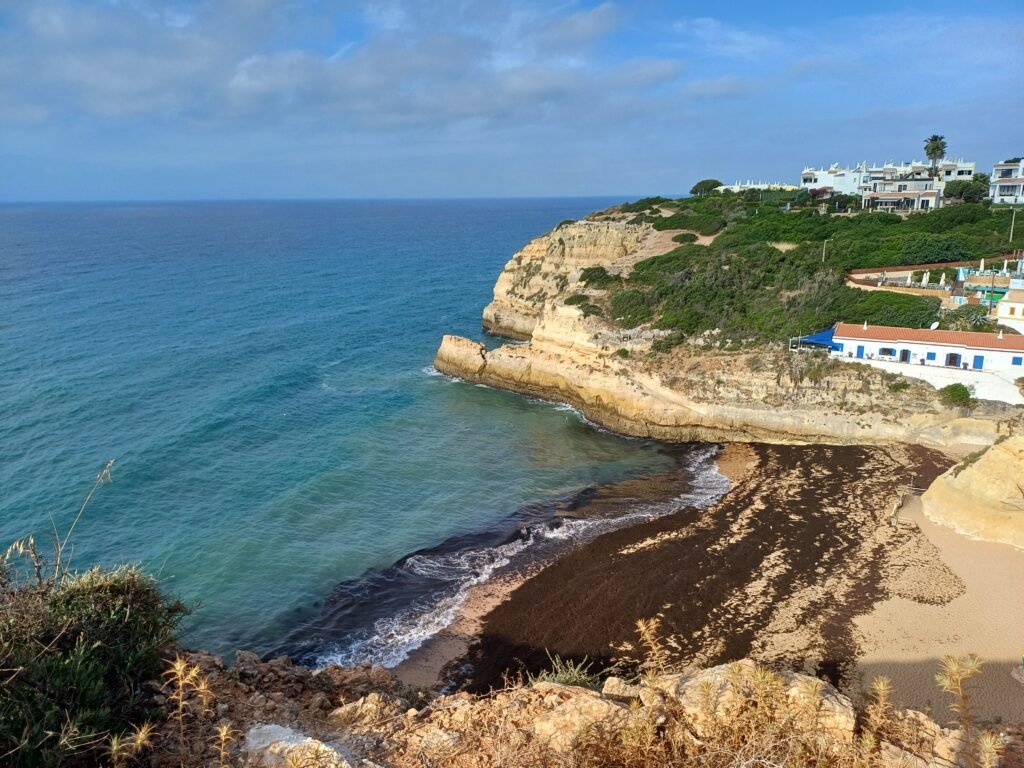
[(935, 149)]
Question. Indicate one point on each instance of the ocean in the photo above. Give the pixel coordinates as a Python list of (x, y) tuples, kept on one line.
[(286, 459)]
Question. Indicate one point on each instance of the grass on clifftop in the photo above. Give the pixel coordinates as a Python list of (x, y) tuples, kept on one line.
[(754, 292)]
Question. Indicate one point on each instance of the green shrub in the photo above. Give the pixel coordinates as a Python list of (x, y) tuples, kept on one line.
[(568, 672), (957, 396), (685, 237), (752, 292), (79, 647), (969, 317), (671, 341), (75, 650), (622, 352), (597, 277), (577, 298), (643, 204), (591, 309), (899, 385), (631, 307), (702, 223)]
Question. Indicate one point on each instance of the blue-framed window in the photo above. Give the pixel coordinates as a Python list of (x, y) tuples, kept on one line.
[(930, 356), (1018, 360), (838, 345)]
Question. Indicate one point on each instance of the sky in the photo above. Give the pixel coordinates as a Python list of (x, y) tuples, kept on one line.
[(239, 99)]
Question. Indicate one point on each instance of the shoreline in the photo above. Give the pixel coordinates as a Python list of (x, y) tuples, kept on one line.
[(440, 658)]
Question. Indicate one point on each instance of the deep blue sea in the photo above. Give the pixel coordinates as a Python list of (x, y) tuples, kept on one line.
[(261, 375)]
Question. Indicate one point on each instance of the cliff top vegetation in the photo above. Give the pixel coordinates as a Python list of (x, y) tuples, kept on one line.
[(772, 273)]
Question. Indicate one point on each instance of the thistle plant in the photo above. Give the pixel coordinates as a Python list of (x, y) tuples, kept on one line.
[(223, 737), (189, 692)]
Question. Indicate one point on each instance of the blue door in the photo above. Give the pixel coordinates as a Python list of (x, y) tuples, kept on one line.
[(860, 350), (979, 362)]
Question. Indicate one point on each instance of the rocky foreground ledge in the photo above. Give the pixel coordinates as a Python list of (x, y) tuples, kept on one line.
[(282, 714), (694, 391)]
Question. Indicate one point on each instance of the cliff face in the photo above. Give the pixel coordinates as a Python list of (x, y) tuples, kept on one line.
[(610, 375), (548, 269), (985, 497)]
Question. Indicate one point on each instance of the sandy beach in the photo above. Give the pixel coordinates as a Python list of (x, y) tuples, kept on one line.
[(904, 638)]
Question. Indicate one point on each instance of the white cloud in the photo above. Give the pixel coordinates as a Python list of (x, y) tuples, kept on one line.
[(726, 86), (716, 38)]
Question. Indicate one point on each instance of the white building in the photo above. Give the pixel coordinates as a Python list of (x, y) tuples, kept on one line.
[(903, 187), (1007, 183), (743, 186), (989, 363), (842, 181), (1010, 309), (993, 352)]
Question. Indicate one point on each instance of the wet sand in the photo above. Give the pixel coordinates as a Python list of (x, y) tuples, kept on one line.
[(904, 639), (777, 570)]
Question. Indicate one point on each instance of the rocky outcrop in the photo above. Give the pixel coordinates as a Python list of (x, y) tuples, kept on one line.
[(274, 713), (984, 495), (710, 694), (549, 267), (578, 361), (268, 746), (690, 393)]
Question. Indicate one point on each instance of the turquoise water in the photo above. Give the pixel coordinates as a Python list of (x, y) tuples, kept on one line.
[(260, 373)]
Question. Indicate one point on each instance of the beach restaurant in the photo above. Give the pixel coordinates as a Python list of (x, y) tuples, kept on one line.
[(995, 352)]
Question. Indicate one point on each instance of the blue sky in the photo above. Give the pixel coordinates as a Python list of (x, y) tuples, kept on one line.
[(207, 99)]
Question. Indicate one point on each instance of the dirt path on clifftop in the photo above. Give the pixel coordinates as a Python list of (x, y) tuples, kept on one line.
[(775, 571)]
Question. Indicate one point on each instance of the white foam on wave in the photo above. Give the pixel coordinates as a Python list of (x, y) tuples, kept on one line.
[(432, 371), (392, 639)]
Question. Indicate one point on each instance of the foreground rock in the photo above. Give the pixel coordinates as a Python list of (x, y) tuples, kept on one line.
[(269, 746), (762, 716), (984, 496)]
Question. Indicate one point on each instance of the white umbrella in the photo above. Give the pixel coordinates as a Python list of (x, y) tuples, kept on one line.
[(927, 277), (910, 277), (1006, 266), (942, 279), (982, 267)]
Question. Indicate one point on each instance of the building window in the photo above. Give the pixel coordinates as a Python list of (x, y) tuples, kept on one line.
[(887, 351), (902, 188), (1013, 311), (930, 356), (1018, 360), (1005, 173), (964, 173)]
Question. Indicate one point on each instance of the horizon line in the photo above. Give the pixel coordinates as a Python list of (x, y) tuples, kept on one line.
[(194, 200)]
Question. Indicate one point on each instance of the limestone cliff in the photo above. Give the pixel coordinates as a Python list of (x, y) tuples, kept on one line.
[(614, 379), (549, 267), (984, 495)]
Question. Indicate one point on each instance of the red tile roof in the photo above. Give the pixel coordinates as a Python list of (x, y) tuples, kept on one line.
[(972, 339)]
